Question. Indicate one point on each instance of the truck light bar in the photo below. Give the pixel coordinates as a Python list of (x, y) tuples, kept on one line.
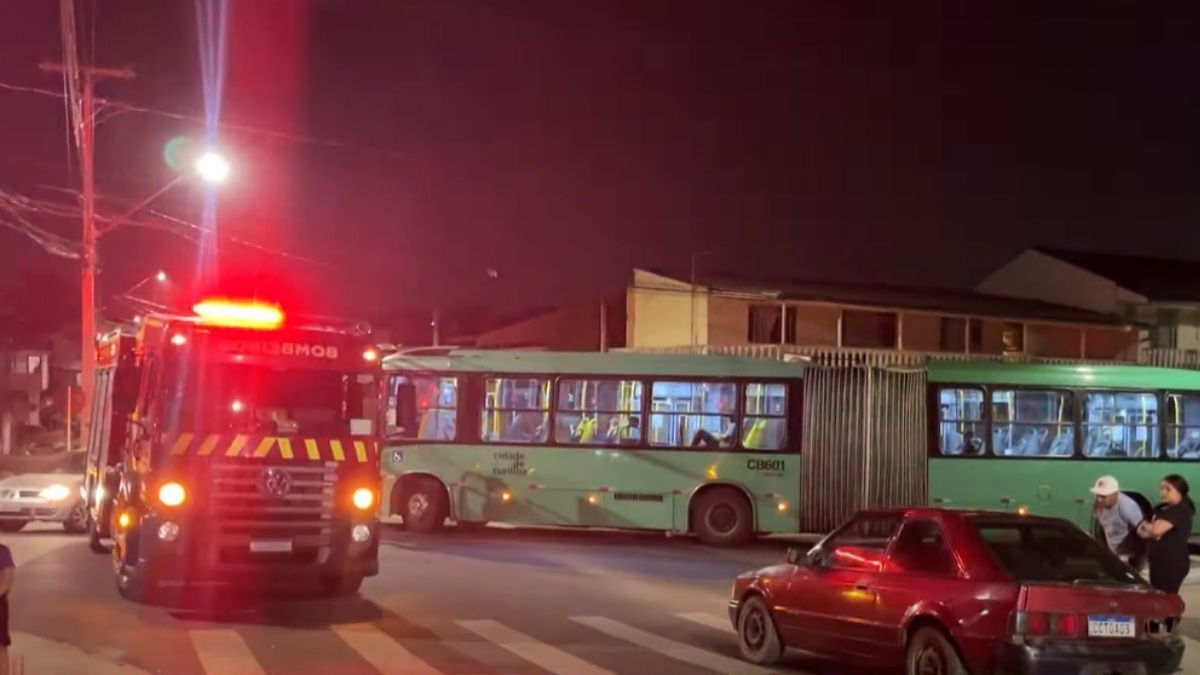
[(233, 314)]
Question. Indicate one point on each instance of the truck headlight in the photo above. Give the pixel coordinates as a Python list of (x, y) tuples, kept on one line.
[(55, 493)]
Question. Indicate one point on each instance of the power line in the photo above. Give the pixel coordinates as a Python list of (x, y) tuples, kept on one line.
[(114, 108)]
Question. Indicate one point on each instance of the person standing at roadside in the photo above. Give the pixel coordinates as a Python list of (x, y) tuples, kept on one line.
[(1119, 517), (1168, 534), (8, 570)]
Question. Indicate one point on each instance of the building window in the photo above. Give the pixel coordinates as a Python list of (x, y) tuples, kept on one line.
[(698, 414), (961, 335), (516, 410), (767, 322), (764, 425), (1120, 424), (1013, 338), (1033, 423), (962, 429), (594, 412), (869, 330)]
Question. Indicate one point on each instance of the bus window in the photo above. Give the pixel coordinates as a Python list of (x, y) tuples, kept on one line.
[(422, 407), (516, 410), (764, 425), (696, 414), (961, 426), (1183, 426), (598, 412), (1033, 423), (1120, 424)]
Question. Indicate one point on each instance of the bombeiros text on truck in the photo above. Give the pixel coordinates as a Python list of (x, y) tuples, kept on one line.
[(236, 446)]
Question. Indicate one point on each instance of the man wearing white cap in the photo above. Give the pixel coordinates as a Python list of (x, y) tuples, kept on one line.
[(1118, 516)]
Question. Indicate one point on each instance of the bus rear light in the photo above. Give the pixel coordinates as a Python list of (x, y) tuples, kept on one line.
[(507, 496), (363, 498), (178, 340), (172, 494), (232, 314)]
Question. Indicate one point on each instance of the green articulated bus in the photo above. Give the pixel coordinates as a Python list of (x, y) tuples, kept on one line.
[(1036, 437), (676, 443)]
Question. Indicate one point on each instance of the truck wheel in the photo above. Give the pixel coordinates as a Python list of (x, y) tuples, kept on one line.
[(722, 517), (425, 507), (96, 543), (13, 525), (342, 587), (77, 522)]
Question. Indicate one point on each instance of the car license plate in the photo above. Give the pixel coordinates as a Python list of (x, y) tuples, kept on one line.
[(277, 546), (1112, 627)]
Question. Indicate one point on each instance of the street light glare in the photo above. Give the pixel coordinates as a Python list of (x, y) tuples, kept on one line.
[(212, 167), (161, 276)]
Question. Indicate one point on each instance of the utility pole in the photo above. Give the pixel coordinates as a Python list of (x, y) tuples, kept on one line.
[(86, 124)]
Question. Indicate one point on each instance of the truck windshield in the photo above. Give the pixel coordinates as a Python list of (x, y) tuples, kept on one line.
[(253, 399)]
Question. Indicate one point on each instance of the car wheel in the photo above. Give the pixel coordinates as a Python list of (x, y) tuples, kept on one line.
[(930, 652), (425, 506), (722, 517), (13, 525), (77, 521), (758, 640)]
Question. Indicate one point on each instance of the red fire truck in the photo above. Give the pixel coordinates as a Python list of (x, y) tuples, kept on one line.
[(114, 394), (250, 456)]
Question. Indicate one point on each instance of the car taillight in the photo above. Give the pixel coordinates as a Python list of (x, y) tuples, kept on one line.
[(1045, 624)]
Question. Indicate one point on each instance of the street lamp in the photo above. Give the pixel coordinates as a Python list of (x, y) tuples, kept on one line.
[(212, 167), (159, 276)]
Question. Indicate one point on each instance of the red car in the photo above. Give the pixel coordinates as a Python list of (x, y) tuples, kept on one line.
[(948, 592)]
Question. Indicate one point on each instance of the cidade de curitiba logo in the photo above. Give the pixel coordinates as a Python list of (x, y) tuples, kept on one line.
[(301, 349)]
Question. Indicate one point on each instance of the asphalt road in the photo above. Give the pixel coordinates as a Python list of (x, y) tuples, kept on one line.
[(460, 603), (517, 602)]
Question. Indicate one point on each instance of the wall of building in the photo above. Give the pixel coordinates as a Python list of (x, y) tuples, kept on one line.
[(572, 328), (1036, 276), (662, 312)]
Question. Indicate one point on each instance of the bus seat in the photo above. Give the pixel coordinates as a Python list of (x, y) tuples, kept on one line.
[(586, 430), (754, 435), (1064, 444)]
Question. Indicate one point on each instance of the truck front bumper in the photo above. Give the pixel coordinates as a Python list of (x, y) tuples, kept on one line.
[(196, 550)]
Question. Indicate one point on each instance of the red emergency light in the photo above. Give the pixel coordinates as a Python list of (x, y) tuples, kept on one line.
[(234, 314)]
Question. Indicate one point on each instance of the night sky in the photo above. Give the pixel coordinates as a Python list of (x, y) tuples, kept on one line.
[(415, 145)]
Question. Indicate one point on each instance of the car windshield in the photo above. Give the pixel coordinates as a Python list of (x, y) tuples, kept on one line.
[(1051, 552)]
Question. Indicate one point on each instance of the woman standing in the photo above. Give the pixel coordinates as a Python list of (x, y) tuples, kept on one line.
[(1168, 533)]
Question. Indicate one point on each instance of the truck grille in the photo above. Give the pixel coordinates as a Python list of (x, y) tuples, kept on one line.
[(242, 508)]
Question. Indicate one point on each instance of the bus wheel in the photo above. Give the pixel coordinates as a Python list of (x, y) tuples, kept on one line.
[(722, 517), (425, 507)]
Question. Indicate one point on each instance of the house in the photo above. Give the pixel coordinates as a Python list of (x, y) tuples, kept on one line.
[(1161, 295), (665, 312)]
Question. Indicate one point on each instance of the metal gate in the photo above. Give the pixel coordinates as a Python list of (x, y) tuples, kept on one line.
[(864, 442)]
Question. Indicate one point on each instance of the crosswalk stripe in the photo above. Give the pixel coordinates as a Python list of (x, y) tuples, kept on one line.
[(223, 652), (710, 620), (538, 653), (676, 650), (381, 651)]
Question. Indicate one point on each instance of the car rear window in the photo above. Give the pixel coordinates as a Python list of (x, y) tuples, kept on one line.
[(1050, 552)]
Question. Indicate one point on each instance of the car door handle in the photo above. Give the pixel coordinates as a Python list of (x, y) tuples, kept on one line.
[(862, 586)]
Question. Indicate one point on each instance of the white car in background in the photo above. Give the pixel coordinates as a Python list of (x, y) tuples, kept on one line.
[(46, 498)]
